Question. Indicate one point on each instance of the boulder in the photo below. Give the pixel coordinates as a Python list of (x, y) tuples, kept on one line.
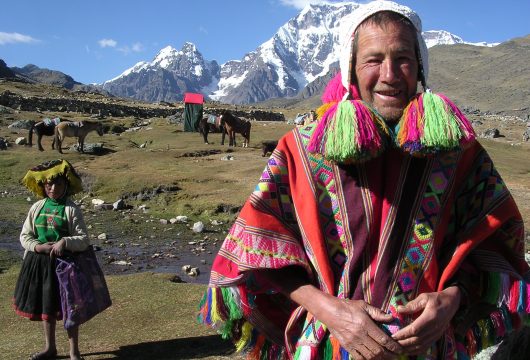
[(119, 205), (526, 134), (22, 125), (491, 133), (95, 148), (198, 227), (21, 141)]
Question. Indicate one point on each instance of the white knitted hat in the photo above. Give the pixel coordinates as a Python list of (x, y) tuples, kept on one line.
[(352, 21)]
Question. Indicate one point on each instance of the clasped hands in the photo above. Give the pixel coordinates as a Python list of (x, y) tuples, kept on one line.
[(54, 249), (354, 323)]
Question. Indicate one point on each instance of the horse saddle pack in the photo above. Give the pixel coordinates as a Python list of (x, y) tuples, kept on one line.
[(212, 119), (51, 122)]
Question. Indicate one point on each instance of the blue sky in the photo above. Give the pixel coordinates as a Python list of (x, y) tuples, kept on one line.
[(97, 40)]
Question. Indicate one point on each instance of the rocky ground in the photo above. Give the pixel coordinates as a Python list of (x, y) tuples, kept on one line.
[(132, 240)]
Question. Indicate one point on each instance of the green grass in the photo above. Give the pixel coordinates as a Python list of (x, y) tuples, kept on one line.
[(150, 318)]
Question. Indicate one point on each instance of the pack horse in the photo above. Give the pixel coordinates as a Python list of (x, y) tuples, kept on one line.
[(208, 124), (233, 125), (78, 129), (42, 128)]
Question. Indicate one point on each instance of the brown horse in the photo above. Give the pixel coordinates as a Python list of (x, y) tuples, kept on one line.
[(42, 128), (78, 129), (209, 123), (233, 125)]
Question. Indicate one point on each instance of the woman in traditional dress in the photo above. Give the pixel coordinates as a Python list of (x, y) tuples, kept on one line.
[(54, 225)]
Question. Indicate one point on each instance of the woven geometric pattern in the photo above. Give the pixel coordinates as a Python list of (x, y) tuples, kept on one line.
[(419, 250), (481, 194), (252, 248), (329, 210), (272, 193)]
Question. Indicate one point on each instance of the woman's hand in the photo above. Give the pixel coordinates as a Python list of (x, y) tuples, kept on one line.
[(44, 248), (58, 248), (436, 312)]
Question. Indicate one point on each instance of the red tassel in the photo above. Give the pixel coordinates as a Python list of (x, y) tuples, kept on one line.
[(256, 350), (514, 297), (244, 301), (471, 343)]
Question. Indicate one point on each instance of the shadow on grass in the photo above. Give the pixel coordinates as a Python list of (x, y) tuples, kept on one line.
[(181, 348)]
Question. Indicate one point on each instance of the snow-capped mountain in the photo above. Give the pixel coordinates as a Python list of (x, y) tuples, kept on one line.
[(301, 51), (167, 76), (442, 37)]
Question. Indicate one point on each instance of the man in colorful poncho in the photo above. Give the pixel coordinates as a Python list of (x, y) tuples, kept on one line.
[(382, 230)]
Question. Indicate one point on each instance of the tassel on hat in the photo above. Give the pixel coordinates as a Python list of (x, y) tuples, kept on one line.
[(348, 130), (432, 123), (351, 131)]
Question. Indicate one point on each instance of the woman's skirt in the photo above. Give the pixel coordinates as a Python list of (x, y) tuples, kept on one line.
[(37, 291)]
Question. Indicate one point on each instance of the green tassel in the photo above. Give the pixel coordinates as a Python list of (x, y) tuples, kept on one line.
[(441, 130), (226, 329), (297, 353), (342, 132), (328, 350), (235, 311), (494, 288)]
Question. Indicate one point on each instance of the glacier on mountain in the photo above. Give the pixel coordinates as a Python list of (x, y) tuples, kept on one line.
[(301, 51)]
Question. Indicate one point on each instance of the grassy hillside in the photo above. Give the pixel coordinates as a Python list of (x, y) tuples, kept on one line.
[(490, 79)]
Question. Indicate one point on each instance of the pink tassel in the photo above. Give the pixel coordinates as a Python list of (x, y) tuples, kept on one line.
[(514, 297), (465, 125), (410, 130), (498, 323), (334, 91), (316, 142), (368, 136)]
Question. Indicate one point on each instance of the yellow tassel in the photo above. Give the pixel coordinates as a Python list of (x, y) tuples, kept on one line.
[(246, 332), (214, 312), (322, 109)]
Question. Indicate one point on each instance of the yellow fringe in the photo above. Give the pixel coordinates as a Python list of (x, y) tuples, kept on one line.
[(322, 109), (214, 314), (246, 332)]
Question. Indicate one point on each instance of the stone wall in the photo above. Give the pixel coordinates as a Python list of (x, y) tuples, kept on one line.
[(111, 109)]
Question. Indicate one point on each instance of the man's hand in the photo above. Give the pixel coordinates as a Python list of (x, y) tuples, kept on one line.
[(437, 310), (353, 324), (58, 248)]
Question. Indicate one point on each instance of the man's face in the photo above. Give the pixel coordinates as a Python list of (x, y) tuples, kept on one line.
[(386, 67)]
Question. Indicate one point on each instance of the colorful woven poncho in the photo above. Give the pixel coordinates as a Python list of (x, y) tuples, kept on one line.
[(373, 211), (384, 230)]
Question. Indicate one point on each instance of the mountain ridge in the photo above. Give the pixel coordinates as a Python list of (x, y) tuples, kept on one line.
[(302, 50), (295, 64)]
